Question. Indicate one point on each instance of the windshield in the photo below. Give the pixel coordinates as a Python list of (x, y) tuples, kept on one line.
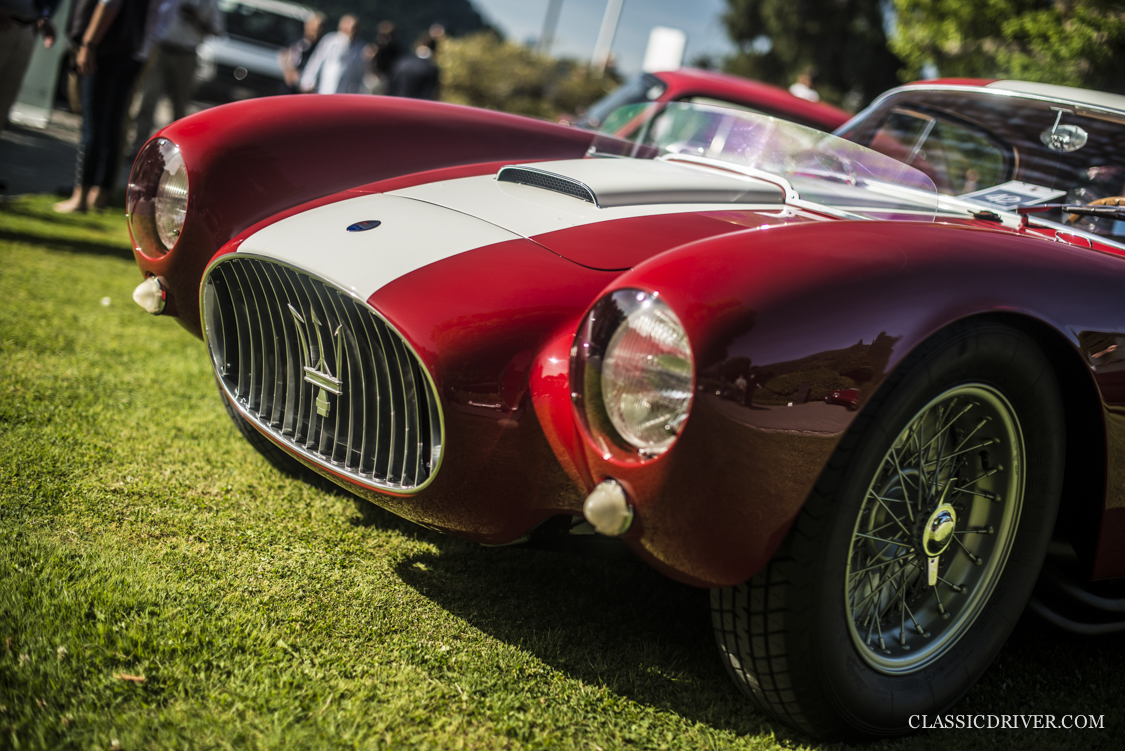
[(603, 114), (810, 164), (260, 26), (1003, 151)]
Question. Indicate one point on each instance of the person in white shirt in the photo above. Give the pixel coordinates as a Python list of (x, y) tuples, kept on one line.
[(803, 87), (337, 64), (175, 30)]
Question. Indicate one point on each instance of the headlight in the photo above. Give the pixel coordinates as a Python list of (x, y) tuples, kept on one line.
[(157, 199), (632, 373)]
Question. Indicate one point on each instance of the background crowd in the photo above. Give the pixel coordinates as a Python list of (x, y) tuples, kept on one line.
[(147, 49)]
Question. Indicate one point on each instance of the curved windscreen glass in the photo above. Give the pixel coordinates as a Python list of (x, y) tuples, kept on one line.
[(1001, 149), (812, 165)]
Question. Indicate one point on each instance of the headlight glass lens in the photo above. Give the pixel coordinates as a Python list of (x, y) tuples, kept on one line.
[(171, 200), (632, 373), (157, 198)]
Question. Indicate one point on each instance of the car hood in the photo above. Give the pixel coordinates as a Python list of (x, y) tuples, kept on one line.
[(609, 214), (401, 235), (642, 212)]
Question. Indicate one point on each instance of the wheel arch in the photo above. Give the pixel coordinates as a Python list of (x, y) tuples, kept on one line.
[(1085, 473)]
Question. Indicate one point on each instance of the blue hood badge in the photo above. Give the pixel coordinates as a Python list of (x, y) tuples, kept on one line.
[(364, 226)]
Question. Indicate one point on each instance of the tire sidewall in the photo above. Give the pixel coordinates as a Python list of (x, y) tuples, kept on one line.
[(1007, 360)]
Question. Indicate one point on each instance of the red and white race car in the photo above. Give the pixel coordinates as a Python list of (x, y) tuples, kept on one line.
[(522, 333)]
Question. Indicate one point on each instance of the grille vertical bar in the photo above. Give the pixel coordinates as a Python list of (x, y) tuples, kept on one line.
[(283, 342)]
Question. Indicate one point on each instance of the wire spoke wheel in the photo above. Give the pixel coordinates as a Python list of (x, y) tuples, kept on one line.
[(935, 528), (918, 548)]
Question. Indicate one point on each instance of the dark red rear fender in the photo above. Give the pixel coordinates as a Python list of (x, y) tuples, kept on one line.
[(848, 295), (250, 160)]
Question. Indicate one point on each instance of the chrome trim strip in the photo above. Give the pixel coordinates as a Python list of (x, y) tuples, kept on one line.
[(738, 169), (359, 437), (1092, 110)]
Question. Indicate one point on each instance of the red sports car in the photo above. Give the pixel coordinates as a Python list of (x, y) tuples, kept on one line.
[(617, 112), (522, 333)]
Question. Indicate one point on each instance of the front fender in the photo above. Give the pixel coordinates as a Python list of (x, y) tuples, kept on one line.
[(803, 304), (248, 161)]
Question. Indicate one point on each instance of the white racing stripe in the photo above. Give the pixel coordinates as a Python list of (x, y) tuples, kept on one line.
[(413, 234), (428, 223)]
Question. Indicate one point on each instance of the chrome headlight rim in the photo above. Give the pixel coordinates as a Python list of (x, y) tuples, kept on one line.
[(158, 198), (601, 366)]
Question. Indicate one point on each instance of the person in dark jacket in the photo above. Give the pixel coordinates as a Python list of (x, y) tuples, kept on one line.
[(107, 36), (295, 57), (416, 76)]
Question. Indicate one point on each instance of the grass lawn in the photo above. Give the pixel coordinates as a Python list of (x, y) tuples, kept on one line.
[(161, 586)]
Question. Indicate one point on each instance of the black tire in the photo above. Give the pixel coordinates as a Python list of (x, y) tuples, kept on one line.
[(816, 639)]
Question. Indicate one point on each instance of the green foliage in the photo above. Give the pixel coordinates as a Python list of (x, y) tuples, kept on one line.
[(842, 39), (482, 70), (1068, 42), (821, 381)]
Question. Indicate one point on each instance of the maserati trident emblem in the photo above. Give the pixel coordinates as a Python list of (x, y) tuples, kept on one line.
[(318, 374)]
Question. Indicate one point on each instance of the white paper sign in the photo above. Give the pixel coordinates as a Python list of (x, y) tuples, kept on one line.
[(1013, 194)]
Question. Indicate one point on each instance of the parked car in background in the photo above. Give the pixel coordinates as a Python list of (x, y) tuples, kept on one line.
[(521, 333), (844, 397), (617, 113), (243, 62)]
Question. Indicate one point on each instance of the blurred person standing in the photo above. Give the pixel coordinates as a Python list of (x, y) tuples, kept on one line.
[(20, 22), (295, 57), (337, 64), (416, 75), (108, 38), (387, 51), (805, 86), (174, 33)]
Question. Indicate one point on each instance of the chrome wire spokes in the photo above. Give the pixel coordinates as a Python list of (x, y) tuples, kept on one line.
[(935, 528)]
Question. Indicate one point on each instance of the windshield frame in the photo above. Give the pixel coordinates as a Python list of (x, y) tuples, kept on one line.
[(813, 168), (1077, 176)]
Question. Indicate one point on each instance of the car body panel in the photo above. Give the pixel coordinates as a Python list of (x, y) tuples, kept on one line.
[(254, 160), (488, 281), (724, 89), (805, 293)]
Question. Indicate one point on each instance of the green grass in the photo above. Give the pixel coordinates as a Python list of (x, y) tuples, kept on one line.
[(141, 537)]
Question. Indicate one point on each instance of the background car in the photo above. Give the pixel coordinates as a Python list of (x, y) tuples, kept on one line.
[(844, 397), (242, 63), (520, 333), (694, 86)]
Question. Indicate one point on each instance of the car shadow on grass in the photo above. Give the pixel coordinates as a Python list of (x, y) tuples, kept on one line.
[(623, 626), (616, 624), (70, 246)]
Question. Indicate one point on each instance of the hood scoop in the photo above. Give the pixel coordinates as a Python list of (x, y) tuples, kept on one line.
[(537, 178), (611, 182)]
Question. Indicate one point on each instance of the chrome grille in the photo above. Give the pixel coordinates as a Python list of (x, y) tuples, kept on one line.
[(322, 372)]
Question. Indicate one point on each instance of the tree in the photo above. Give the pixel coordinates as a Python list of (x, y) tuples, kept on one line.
[(843, 40), (1068, 42), (482, 70)]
